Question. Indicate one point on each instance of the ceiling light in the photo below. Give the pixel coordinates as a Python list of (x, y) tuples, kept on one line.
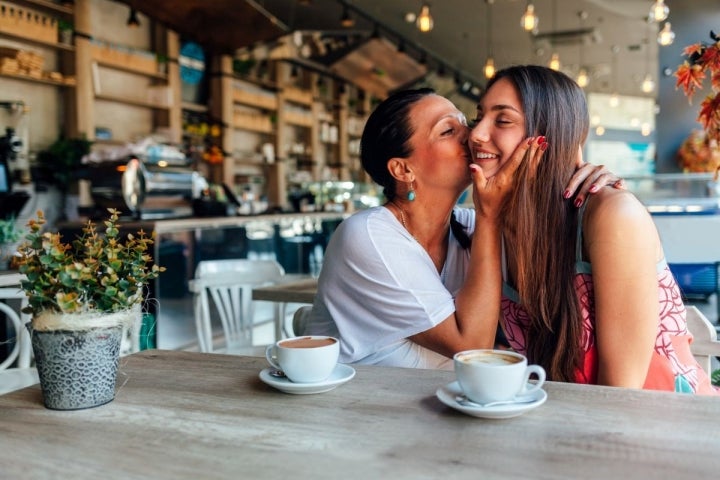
[(529, 20), (666, 36), (648, 85), (424, 20), (600, 131), (582, 78), (659, 11), (554, 62), (132, 20), (346, 20), (489, 67)]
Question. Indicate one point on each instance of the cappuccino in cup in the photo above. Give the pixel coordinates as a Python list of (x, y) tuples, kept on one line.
[(495, 375), (307, 359)]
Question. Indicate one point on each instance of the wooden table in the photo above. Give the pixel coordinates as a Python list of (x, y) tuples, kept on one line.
[(292, 290), (184, 415)]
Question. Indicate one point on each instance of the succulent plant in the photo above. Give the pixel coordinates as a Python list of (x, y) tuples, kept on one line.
[(94, 273)]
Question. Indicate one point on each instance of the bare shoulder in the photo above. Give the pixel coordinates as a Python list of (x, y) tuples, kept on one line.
[(613, 212)]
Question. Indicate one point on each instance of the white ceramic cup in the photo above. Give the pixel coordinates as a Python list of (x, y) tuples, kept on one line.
[(307, 359), (495, 375)]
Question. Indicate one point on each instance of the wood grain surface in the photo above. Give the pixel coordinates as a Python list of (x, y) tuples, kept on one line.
[(183, 415)]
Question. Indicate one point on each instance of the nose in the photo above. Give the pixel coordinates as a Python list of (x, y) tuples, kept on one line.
[(478, 134)]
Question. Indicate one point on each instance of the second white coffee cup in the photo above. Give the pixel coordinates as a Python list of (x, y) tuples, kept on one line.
[(495, 375), (307, 359)]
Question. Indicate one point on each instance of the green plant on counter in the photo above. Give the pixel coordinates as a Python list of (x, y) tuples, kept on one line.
[(9, 231), (95, 273), (62, 159)]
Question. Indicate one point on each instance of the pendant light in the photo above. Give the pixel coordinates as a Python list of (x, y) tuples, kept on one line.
[(659, 11), (666, 36), (489, 68), (555, 58), (133, 21), (529, 20), (582, 79), (648, 85), (346, 20), (614, 97), (424, 21)]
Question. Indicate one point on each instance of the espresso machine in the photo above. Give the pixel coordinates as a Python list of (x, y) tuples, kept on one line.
[(146, 189), (11, 148)]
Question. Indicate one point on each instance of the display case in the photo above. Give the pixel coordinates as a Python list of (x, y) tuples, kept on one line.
[(677, 193)]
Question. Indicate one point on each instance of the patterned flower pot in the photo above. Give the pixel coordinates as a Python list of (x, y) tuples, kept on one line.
[(77, 369)]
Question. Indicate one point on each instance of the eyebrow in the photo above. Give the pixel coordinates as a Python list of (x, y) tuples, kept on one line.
[(497, 108)]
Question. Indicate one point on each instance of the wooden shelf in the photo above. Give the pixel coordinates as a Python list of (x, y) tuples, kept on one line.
[(253, 99), (129, 69), (47, 6), (299, 119), (130, 101), (44, 81), (253, 122), (194, 107), (297, 95), (41, 43)]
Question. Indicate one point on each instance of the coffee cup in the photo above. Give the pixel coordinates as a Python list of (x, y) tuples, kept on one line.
[(307, 359), (495, 375)]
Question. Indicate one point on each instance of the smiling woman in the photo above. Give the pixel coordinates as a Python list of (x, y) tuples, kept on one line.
[(400, 285)]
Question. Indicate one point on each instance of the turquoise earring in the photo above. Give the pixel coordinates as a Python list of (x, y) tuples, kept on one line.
[(411, 193)]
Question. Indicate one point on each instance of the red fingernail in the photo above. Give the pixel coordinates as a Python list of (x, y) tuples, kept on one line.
[(473, 167), (544, 146), (594, 188), (541, 139), (578, 202), (566, 194)]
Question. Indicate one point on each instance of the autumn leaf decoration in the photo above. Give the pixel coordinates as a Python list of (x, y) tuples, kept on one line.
[(702, 59)]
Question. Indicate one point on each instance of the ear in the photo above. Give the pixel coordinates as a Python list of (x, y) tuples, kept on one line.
[(400, 170)]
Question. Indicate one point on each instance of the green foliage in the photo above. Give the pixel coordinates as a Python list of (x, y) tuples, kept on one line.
[(62, 159), (9, 232), (715, 378), (103, 273)]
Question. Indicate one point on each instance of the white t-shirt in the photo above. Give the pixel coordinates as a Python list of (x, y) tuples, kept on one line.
[(378, 286)]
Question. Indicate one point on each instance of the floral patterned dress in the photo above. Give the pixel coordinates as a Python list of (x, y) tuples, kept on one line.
[(672, 366)]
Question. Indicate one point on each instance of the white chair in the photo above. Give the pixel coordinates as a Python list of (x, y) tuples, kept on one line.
[(705, 344), (23, 375), (229, 283)]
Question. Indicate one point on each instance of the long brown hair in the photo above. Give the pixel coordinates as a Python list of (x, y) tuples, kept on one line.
[(554, 106)]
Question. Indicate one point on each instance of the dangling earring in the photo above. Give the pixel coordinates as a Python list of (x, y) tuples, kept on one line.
[(411, 193)]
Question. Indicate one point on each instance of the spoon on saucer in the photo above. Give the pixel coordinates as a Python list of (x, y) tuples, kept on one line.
[(466, 402), (277, 373)]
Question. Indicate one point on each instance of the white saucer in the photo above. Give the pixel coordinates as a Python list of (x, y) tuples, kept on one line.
[(448, 393), (340, 375)]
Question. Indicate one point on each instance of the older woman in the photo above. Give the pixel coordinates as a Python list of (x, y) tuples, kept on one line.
[(400, 284)]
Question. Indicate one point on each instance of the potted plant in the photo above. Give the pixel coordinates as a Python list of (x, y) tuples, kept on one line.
[(82, 295), (10, 234), (65, 31), (60, 163)]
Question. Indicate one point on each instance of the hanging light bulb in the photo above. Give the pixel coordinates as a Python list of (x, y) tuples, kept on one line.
[(133, 21), (583, 79), (666, 36), (659, 11), (424, 21), (648, 85), (489, 67), (645, 129), (529, 20), (554, 62), (600, 131), (346, 20)]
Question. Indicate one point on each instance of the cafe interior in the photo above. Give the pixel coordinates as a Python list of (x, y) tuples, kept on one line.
[(230, 130)]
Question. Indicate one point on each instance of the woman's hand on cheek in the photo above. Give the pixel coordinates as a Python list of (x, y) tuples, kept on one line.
[(489, 194)]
